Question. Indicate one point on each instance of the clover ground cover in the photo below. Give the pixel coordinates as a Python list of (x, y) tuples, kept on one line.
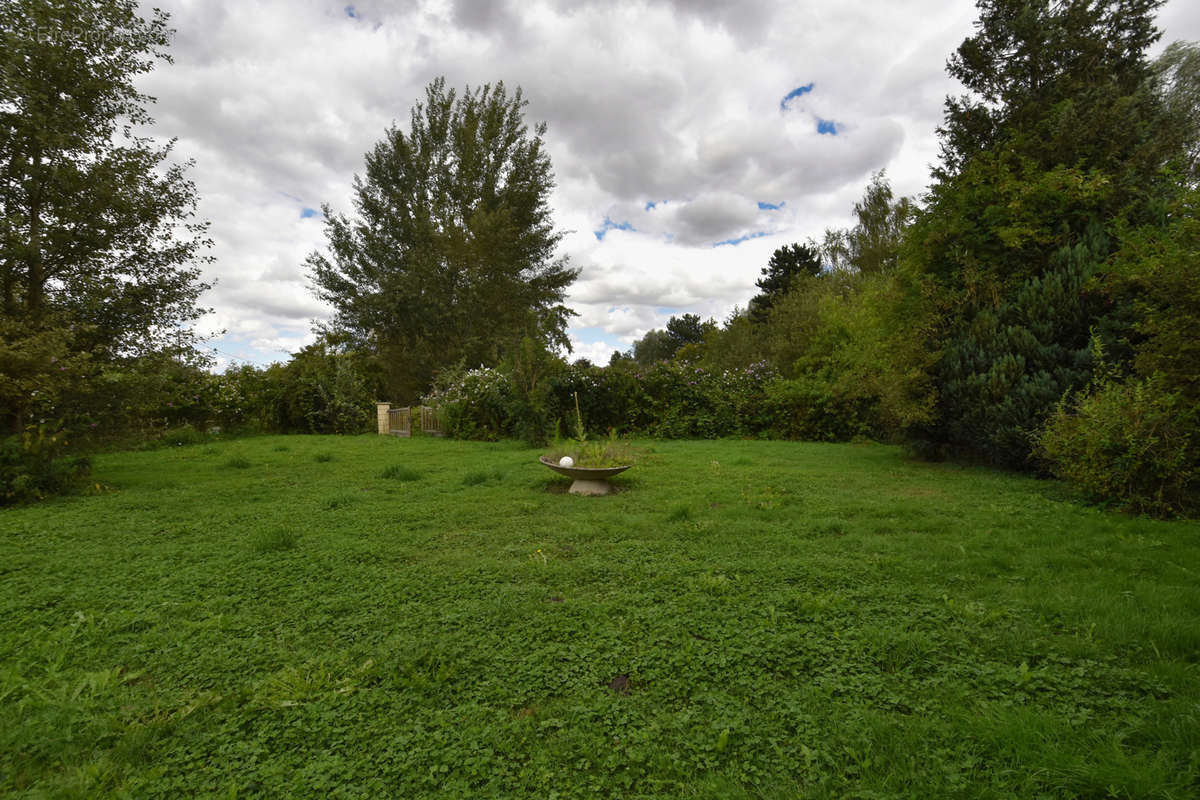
[(366, 617)]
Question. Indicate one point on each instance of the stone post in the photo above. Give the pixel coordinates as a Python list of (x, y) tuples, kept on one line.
[(381, 415)]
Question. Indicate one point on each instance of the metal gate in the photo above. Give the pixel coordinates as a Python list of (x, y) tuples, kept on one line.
[(400, 422), (431, 422)]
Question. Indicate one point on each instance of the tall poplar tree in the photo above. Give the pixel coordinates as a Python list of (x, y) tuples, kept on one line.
[(450, 256)]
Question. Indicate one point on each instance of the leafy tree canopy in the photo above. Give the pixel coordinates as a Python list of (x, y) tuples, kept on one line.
[(450, 257), (689, 329), (1062, 139), (98, 239), (786, 264), (1178, 72)]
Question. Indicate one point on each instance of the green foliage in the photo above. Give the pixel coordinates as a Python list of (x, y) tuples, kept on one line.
[(872, 246), (667, 399), (681, 401), (324, 389), (600, 453), (684, 337), (1060, 141), (37, 371), (655, 345), (478, 477), (1157, 266), (35, 465), (808, 408), (100, 251), (688, 329), (530, 368), (1064, 84), (882, 384), (608, 399), (473, 403), (451, 255), (183, 435), (1135, 445), (796, 337), (738, 342), (1178, 72), (98, 243), (1003, 368), (787, 263), (814, 620), (880, 351)]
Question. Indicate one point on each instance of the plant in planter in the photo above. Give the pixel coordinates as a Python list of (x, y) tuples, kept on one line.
[(589, 464)]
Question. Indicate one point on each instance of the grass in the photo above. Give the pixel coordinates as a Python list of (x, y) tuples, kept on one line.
[(400, 472), (271, 540), (744, 619)]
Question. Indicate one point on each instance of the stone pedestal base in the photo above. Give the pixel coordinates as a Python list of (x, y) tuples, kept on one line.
[(581, 486)]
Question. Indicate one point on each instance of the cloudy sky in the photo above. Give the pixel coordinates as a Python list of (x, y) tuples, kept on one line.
[(689, 139)]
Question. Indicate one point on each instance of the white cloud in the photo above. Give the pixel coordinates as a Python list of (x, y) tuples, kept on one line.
[(677, 103)]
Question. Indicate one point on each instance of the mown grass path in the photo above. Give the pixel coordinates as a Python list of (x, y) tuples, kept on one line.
[(371, 617)]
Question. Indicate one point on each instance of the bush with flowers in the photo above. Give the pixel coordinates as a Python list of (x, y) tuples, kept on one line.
[(669, 399), (473, 403)]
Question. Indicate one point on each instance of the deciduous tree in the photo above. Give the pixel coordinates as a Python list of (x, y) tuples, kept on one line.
[(450, 256), (99, 247)]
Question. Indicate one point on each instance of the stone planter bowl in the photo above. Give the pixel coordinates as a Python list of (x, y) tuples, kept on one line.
[(586, 480)]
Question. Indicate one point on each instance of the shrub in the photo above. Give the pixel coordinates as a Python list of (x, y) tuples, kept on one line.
[(474, 404), (1133, 444), (324, 390), (808, 408), (609, 398), (33, 466), (184, 434)]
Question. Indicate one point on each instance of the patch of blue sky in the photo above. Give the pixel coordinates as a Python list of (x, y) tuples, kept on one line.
[(650, 206), (350, 12), (236, 350), (590, 335), (735, 242), (799, 91), (609, 225), (770, 206), (309, 213), (827, 126)]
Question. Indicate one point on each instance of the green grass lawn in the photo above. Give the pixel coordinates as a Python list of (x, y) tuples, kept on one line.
[(371, 617)]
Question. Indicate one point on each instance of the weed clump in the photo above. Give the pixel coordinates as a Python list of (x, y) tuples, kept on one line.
[(272, 541), (476, 477), (399, 472), (679, 514), (334, 502)]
